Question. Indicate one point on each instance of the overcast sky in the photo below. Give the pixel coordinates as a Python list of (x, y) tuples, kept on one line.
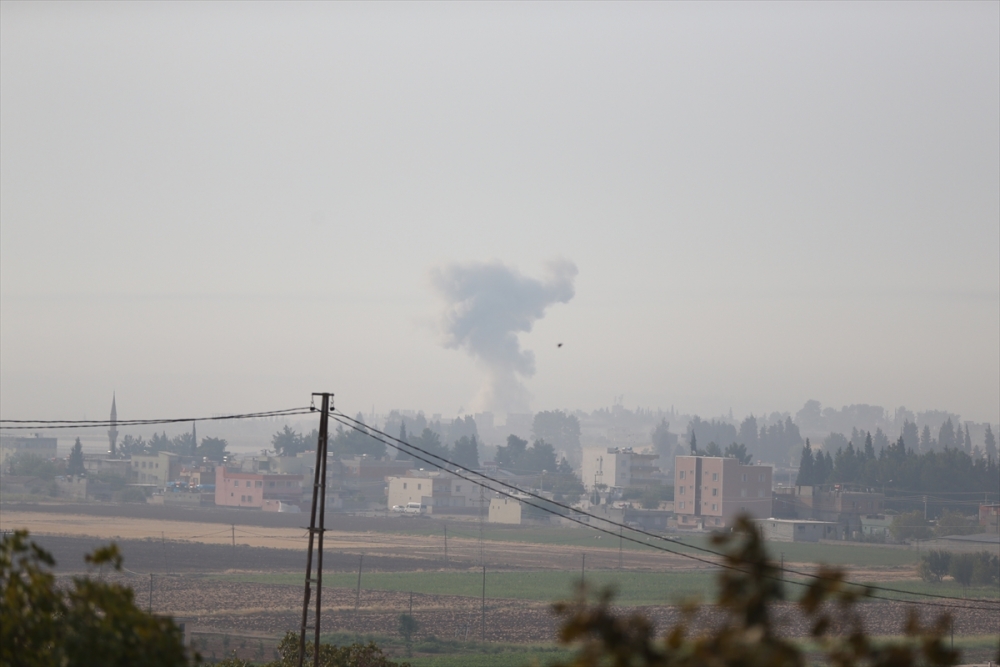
[(224, 207)]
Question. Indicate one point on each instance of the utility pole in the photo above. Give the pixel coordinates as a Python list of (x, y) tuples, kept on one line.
[(583, 568), (233, 527), (925, 508), (483, 636), (357, 595), (445, 544), (316, 536), (620, 547)]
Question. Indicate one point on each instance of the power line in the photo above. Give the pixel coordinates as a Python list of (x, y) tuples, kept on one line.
[(364, 428), (36, 424)]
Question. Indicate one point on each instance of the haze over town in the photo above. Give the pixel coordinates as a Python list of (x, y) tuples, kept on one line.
[(221, 208)]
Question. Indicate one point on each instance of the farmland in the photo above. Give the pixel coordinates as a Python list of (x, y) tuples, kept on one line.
[(235, 578)]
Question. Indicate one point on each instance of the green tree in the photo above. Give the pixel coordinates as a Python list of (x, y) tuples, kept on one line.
[(954, 523), (213, 449), (26, 464), (288, 442), (132, 445), (663, 440), (745, 634), (465, 452), (807, 466), (352, 655), (557, 428), (738, 452), (713, 450), (45, 624), (962, 566), (934, 565), (75, 464), (407, 626), (910, 526), (990, 443)]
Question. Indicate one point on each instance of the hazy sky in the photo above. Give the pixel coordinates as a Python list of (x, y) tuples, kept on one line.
[(219, 207)]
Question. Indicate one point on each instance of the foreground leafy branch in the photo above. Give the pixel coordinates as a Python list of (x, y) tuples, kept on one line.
[(91, 622), (743, 632)]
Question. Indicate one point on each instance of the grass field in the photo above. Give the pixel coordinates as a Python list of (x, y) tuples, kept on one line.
[(634, 588), (847, 554)]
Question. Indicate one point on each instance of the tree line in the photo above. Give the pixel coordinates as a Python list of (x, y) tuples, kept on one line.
[(898, 466)]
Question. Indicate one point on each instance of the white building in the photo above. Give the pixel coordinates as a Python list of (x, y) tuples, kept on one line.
[(617, 468), (433, 489)]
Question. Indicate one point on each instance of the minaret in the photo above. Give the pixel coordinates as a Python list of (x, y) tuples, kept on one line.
[(113, 431), (194, 439)]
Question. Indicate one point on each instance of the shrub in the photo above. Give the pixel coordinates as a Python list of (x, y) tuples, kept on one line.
[(934, 565)]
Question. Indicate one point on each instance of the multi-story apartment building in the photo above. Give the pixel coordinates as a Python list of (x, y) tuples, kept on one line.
[(709, 492), (157, 468), (617, 468)]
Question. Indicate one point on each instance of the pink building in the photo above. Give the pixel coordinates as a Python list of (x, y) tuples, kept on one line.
[(256, 490), (710, 491)]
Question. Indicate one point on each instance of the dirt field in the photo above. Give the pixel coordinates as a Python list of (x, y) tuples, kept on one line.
[(422, 551), (181, 553)]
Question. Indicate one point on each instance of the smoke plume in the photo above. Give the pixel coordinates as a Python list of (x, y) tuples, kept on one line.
[(486, 306)]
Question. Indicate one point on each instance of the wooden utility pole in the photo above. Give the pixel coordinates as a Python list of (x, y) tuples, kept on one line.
[(315, 536), (357, 595)]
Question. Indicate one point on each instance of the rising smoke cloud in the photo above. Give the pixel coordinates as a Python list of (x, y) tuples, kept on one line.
[(487, 304)]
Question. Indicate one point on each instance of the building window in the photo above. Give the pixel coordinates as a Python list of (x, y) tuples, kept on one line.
[(458, 488), (270, 484), (762, 477), (682, 504), (248, 483), (243, 499), (681, 491), (404, 485), (715, 477), (744, 477), (714, 507), (743, 493), (682, 474), (419, 486), (715, 492), (259, 484)]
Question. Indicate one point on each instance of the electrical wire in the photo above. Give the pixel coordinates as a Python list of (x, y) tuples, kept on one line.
[(404, 446), (36, 424)]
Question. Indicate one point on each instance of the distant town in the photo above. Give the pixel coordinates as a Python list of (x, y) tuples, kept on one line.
[(822, 474)]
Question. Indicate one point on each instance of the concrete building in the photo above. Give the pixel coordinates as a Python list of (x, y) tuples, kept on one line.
[(876, 526), (33, 444), (617, 468), (794, 530), (710, 491), (505, 510), (156, 469), (989, 517), (435, 490), (262, 491), (842, 503)]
